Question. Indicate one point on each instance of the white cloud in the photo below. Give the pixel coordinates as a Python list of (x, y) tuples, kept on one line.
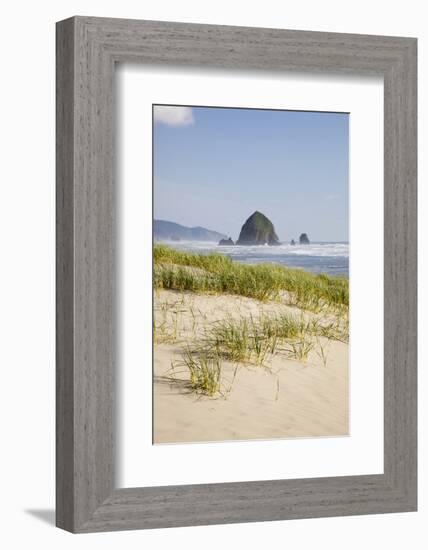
[(173, 116)]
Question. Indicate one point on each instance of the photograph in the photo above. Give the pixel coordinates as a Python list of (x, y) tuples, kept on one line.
[(250, 274), (210, 307)]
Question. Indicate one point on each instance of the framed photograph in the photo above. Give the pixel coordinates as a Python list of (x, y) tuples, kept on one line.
[(230, 322), (236, 274)]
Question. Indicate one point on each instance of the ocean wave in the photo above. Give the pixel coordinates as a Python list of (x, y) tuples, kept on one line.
[(330, 258), (331, 250)]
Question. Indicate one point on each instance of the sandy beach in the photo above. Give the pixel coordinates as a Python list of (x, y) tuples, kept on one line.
[(281, 398)]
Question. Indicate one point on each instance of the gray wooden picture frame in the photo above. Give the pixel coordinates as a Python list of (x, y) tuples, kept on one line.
[(87, 50)]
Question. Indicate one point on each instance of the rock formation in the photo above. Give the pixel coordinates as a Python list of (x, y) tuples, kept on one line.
[(303, 239), (257, 230), (226, 242), (293, 242)]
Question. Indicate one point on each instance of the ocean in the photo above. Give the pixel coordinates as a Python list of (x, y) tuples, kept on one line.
[(317, 257)]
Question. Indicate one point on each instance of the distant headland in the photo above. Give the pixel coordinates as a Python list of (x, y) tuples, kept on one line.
[(169, 231)]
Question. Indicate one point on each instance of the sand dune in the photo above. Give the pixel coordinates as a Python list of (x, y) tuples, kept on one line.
[(285, 399)]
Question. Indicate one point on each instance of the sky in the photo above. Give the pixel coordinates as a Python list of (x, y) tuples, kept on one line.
[(213, 167)]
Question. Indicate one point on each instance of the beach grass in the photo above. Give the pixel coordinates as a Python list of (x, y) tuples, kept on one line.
[(216, 273), (242, 340), (204, 368), (250, 340)]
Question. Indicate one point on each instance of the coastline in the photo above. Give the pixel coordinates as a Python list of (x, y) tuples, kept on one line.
[(331, 258)]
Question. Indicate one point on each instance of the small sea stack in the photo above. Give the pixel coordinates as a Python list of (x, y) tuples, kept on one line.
[(226, 242), (257, 230), (293, 242), (303, 239)]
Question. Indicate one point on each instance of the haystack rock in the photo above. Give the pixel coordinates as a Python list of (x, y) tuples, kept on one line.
[(303, 239), (257, 230)]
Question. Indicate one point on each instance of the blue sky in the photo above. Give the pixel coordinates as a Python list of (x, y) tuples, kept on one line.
[(214, 167)]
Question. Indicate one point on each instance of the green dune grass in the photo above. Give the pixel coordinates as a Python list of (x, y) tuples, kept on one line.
[(215, 273)]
